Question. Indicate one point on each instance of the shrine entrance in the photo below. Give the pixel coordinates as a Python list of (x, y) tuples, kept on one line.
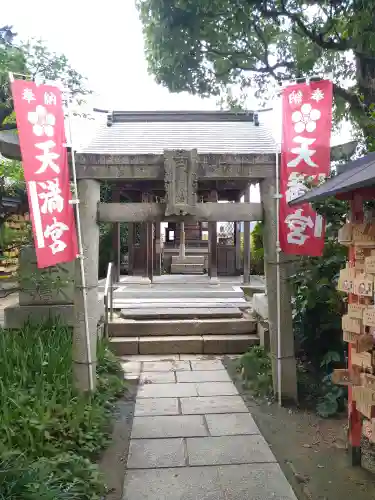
[(174, 169)]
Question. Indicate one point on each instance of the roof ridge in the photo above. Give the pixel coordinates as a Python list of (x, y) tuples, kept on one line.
[(182, 116)]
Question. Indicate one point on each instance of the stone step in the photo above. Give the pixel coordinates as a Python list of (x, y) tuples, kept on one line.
[(188, 344), (188, 259), (120, 327), (181, 313), (211, 292), (180, 303), (179, 268)]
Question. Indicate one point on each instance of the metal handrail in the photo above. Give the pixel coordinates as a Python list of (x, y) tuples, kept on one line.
[(108, 299)]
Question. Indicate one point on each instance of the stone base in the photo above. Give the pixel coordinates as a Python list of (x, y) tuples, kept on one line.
[(187, 269), (135, 280), (264, 335), (260, 305), (190, 264), (17, 316)]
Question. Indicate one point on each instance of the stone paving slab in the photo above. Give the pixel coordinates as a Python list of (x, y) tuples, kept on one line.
[(186, 483), (229, 424), (213, 404), (216, 389), (158, 406), (165, 366), (254, 482), (154, 453), (167, 427), (205, 365), (204, 376), (167, 390), (226, 450), (131, 367), (231, 482), (158, 378)]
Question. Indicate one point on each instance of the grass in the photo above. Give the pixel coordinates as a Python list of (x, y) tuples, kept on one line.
[(50, 435)]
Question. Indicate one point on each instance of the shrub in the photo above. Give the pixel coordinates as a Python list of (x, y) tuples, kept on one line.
[(44, 420), (256, 371)]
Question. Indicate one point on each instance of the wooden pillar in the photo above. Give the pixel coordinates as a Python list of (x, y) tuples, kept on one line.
[(116, 242), (182, 251), (246, 244), (157, 264), (212, 244), (131, 241), (287, 357), (237, 244), (150, 250), (89, 196)]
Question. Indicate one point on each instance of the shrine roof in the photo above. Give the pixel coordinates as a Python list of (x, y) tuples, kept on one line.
[(356, 174), (153, 132)]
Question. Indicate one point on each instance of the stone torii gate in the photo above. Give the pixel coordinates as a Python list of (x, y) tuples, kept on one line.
[(182, 176), (188, 159)]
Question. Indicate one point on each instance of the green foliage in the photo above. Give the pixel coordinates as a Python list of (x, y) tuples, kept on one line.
[(257, 250), (204, 47), (35, 60), (49, 433), (256, 370), (318, 308), (333, 398)]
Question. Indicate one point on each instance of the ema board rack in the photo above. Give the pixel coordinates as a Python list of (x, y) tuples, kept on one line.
[(357, 280)]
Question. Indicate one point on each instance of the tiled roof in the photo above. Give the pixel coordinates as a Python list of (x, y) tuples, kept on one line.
[(356, 174), (152, 133)]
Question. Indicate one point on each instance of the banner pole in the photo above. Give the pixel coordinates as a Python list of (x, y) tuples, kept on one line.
[(278, 250), (80, 249)]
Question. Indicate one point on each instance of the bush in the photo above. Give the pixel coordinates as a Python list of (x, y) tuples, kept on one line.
[(317, 312), (256, 371), (44, 420)]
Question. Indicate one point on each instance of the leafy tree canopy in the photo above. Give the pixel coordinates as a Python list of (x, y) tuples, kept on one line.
[(204, 46), (37, 61)]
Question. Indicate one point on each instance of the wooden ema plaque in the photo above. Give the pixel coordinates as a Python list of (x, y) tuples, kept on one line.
[(365, 400), (355, 311), (346, 377), (350, 337), (363, 235), (369, 316), (346, 280), (351, 325), (361, 359), (360, 253), (364, 343), (368, 381), (363, 285), (345, 234), (370, 264)]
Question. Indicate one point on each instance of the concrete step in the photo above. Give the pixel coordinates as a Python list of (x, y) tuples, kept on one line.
[(209, 292), (180, 313), (120, 327), (189, 344), (180, 303)]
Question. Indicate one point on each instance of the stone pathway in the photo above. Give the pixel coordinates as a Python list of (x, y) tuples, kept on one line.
[(193, 437)]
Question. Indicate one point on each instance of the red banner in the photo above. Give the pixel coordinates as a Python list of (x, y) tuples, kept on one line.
[(305, 156), (40, 123)]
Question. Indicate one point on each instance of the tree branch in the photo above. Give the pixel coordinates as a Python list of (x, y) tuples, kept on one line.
[(311, 34)]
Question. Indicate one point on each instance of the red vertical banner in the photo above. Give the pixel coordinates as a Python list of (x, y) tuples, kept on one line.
[(41, 130), (305, 156)]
